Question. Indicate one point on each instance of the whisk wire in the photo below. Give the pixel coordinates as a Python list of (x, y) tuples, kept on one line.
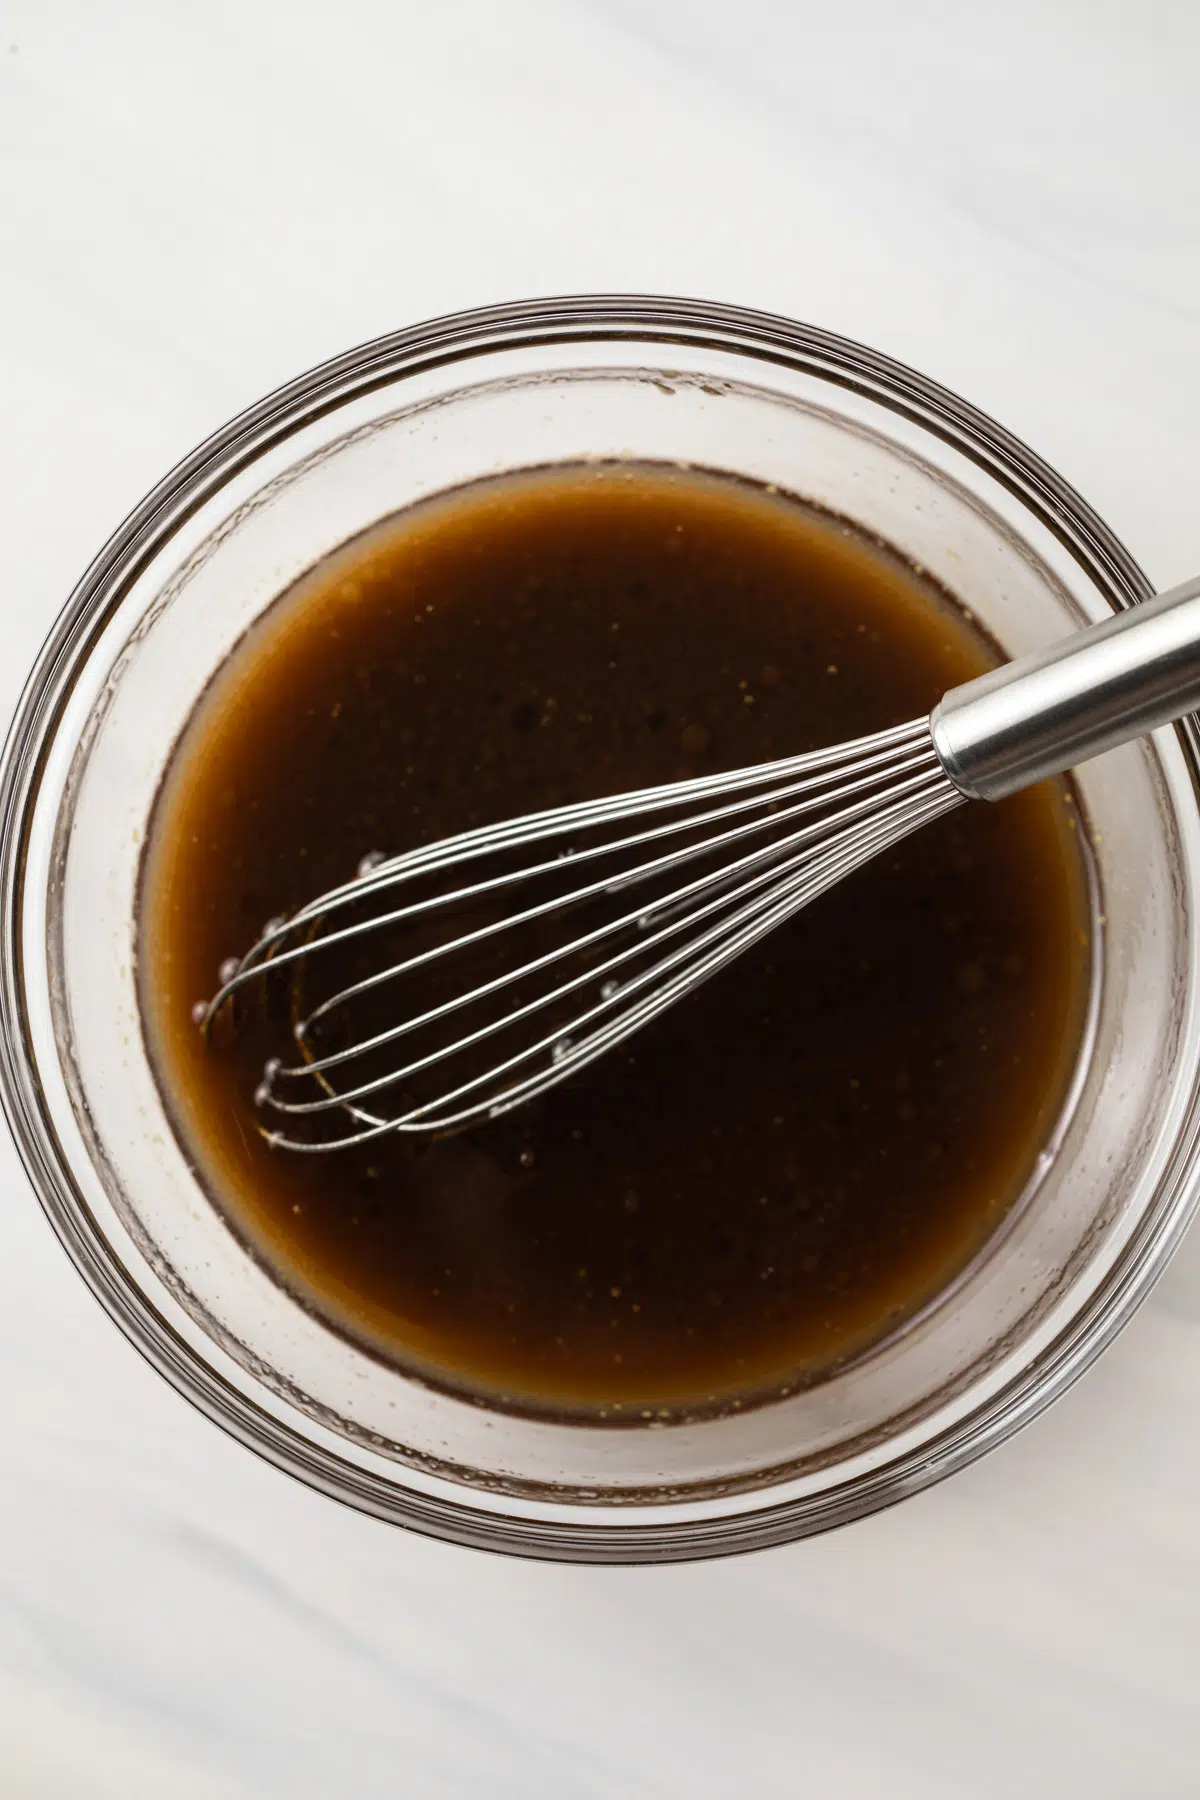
[(826, 813)]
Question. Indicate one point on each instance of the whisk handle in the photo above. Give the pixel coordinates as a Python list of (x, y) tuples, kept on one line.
[(1095, 689)]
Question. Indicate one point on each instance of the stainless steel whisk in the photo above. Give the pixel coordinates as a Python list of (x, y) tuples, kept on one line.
[(624, 905)]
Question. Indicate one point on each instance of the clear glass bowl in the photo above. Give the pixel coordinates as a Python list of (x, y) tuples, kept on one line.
[(178, 584)]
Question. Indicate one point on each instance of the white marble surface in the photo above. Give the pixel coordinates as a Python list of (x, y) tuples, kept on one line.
[(198, 201)]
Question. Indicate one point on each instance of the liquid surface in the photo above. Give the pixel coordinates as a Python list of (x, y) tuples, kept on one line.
[(788, 1164)]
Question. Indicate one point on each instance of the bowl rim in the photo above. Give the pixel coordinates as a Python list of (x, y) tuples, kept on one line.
[(454, 339)]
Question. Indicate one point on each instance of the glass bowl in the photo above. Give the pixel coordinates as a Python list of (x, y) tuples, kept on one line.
[(208, 550)]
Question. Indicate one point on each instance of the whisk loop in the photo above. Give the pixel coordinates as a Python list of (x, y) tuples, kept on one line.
[(714, 864)]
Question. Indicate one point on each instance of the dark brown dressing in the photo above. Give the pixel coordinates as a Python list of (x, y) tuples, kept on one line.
[(787, 1165)]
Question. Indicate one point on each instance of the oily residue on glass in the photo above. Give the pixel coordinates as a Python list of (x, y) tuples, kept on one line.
[(787, 1165)]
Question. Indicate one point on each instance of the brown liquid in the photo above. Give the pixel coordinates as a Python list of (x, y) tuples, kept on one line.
[(789, 1163)]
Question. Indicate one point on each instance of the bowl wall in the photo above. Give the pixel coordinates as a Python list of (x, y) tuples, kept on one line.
[(204, 555)]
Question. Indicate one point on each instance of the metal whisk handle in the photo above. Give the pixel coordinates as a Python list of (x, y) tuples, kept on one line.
[(1096, 689)]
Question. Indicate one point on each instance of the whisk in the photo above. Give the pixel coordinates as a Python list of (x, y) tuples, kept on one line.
[(448, 985)]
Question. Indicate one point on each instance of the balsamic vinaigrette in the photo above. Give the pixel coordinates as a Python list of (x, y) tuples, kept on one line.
[(790, 1162)]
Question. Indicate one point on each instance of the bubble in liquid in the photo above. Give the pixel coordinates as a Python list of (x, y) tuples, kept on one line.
[(262, 1093), (370, 861), (608, 989), (228, 969), (527, 1159), (561, 1049), (274, 924), (199, 1012)]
